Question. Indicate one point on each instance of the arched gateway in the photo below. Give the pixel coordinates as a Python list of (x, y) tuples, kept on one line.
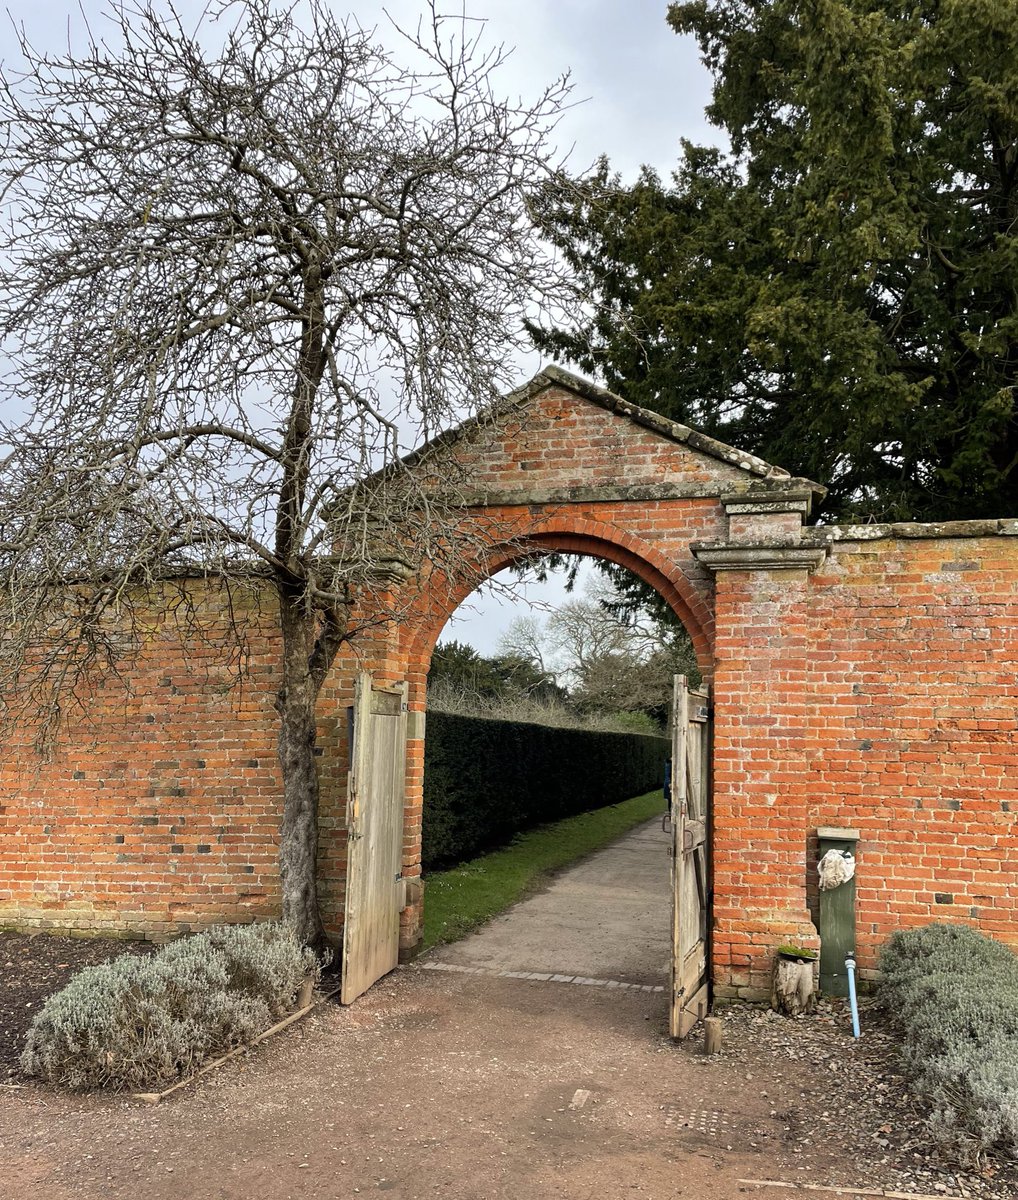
[(864, 678), (570, 467)]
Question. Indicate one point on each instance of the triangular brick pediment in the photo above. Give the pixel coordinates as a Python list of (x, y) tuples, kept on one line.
[(561, 438)]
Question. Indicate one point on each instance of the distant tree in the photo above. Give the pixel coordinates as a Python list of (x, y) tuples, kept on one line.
[(233, 283), (839, 293), (616, 662), (525, 640), (613, 654), (458, 667)]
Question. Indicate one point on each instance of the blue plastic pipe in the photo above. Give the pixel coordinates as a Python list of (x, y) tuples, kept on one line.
[(850, 968)]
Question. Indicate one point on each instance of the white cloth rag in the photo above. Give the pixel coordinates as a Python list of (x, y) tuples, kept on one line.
[(835, 868)]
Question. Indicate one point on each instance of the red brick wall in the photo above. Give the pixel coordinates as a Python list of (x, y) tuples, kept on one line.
[(914, 675), (158, 809), (878, 692)]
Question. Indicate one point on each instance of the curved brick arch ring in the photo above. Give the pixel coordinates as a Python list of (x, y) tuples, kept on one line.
[(593, 539)]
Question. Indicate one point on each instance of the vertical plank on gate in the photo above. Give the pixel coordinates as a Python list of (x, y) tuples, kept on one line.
[(690, 821), (680, 736), (375, 836)]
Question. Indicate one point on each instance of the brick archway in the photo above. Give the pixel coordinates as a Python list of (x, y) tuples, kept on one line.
[(864, 678), (562, 531), (811, 637), (588, 538), (570, 468)]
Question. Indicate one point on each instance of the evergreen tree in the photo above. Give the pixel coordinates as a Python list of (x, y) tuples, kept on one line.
[(838, 293), (458, 667)]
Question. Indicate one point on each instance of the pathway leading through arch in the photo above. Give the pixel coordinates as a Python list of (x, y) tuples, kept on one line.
[(601, 923)]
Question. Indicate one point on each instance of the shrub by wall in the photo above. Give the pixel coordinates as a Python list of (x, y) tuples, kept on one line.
[(485, 781), (954, 995), (137, 1022)]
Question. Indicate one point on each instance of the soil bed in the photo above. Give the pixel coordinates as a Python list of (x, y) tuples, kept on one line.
[(34, 966)]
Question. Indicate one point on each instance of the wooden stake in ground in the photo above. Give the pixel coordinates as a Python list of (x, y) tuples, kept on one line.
[(711, 1035), (840, 1191)]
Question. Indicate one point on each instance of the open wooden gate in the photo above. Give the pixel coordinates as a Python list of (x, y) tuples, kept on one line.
[(375, 835), (691, 886)]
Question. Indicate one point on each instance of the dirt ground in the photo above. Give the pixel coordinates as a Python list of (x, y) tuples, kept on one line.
[(456, 1077), (474, 1086)]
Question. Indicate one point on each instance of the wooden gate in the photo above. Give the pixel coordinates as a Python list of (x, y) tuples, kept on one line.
[(375, 835), (691, 886)]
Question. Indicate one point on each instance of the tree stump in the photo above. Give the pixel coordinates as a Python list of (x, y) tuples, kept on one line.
[(793, 991)]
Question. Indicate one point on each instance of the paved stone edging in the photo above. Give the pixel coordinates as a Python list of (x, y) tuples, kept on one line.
[(544, 977)]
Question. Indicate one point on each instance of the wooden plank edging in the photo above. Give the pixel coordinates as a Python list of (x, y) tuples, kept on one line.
[(844, 1191), (158, 1097)]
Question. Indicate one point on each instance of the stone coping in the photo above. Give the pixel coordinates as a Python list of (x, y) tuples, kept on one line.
[(753, 494), (1002, 527)]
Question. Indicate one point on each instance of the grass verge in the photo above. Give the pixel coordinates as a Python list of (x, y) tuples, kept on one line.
[(460, 899)]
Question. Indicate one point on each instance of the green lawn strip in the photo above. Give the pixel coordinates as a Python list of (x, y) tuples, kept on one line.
[(460, 899)]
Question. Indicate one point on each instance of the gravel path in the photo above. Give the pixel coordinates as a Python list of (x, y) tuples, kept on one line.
[(475, 1086)]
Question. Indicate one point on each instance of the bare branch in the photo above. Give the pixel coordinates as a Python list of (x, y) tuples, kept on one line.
[(236, 283)]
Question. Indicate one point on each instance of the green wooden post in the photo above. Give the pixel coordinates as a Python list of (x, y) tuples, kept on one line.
[(837, 916)]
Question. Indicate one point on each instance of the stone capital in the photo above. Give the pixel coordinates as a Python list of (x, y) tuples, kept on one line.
[(760, 556), (769, 502), (767, 516)]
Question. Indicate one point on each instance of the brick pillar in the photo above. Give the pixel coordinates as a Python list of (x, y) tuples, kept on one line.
[(411, 919), (761, 783)]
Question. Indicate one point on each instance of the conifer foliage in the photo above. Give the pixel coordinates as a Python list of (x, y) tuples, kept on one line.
[(838, 292)]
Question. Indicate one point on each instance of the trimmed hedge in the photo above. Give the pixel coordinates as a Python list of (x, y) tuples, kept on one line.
[(485, 781), (953, 993)]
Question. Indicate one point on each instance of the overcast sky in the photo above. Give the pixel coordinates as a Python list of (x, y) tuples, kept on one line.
[(638, 89)]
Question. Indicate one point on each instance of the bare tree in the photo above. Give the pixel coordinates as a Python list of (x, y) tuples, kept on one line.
[(235, 284), (525, 638), (613, 657)]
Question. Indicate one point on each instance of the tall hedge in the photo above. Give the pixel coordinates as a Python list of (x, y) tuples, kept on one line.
[(486, 780)]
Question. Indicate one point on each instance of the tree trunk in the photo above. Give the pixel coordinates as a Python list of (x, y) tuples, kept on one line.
[(793, 991), (298, 843)]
